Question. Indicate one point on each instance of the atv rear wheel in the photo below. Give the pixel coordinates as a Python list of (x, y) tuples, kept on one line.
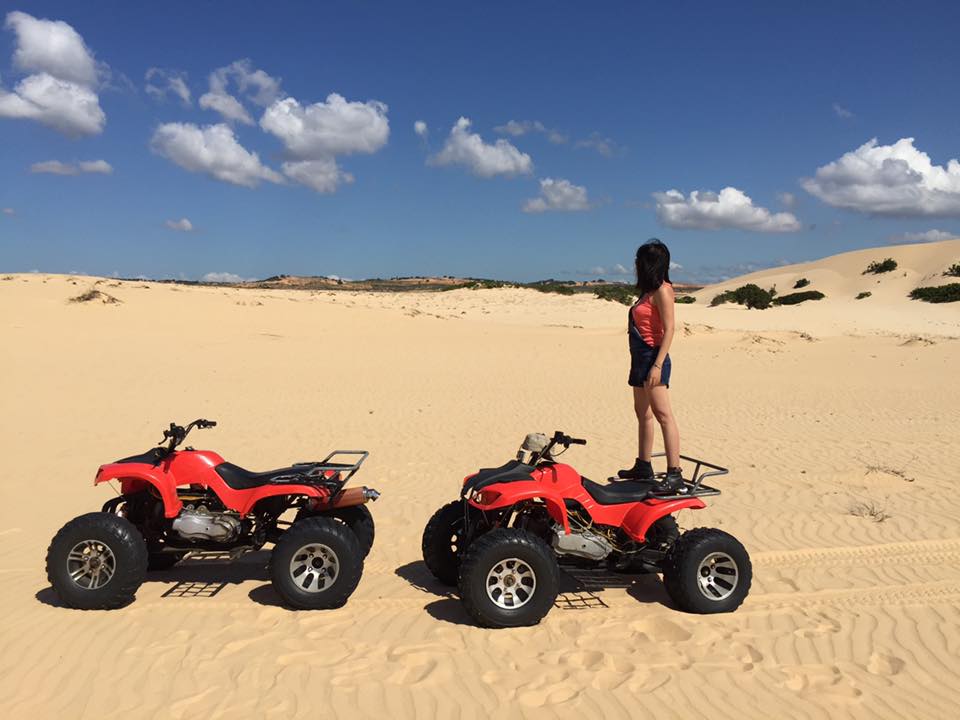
[(509, 578), (441, 542), (97, 562), (316, 564), (707, 571), (357, 517)]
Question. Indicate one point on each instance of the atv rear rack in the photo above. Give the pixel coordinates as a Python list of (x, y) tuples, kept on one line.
[(323, 466), (694, 487)]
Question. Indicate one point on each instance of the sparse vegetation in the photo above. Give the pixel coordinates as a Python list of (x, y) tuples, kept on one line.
[(869, 509), (795, 298), (864, 294), (684, 299), (953, 270), (937, 294), (92, 295), (802, 282), (881, 266), (753, 296), (625, 294)]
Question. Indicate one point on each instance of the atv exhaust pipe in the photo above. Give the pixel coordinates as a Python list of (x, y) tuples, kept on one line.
[(354, 496)]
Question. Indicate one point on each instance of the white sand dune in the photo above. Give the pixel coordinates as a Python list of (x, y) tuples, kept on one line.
[(819, 410)]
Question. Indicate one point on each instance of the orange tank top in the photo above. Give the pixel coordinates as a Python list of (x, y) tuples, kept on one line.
[(646, 319)]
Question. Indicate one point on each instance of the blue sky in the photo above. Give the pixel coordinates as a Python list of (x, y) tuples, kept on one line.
[(621, 112)]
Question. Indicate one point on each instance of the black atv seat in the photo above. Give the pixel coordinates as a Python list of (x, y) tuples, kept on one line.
[(616, 493), (239, 479)]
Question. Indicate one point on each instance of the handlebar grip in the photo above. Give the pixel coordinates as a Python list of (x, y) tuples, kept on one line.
[(577, 441)]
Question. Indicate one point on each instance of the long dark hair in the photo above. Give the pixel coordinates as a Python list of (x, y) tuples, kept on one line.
[(653, 266)]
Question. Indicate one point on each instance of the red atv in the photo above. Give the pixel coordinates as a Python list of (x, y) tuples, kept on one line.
[(174, 502), (501, 541)]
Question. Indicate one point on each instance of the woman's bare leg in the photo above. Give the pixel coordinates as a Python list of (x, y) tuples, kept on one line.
[(644, 422), (658, 398)]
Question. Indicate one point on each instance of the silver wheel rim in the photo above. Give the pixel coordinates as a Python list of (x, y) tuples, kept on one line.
[(91, 564), (314, 568), (511, 583), (717, 576)]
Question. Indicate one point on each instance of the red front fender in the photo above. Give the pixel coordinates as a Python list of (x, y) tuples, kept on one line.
[(135, 477)]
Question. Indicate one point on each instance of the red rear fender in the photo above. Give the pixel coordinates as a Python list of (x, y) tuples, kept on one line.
[(643, 515)]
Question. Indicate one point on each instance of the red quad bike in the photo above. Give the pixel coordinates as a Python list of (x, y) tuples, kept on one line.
[(501, 541), (174, 502)]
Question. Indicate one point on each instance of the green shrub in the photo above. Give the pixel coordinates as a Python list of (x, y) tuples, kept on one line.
[(554, 287), (753, 296), (877, 267), (684, 299), (625, 294), (953, 270), (802, 282), (937, 294), (864, 294), (794, 298)]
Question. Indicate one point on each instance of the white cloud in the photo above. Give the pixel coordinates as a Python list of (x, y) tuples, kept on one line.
[(315, 134), (923, 237), (181, 225), (787, 199), (161, 82), (558, 195), (213, 150), (616, 270), (65, 106), (841, 111), (52, 47), (227, 105), (323, 176), (896, 179), (222, 277), (705, 210), (482, 159), (420, 128), (603, 145), (256, 85), (8, 211), (60, 92), (325, 129), (518, 128), (55, 167)]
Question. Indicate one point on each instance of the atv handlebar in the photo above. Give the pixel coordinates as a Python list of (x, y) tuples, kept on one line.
[(177, 434), (560, 438)]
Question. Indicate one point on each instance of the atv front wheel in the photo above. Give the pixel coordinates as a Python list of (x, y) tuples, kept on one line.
[(707, 571), (441, 542), (97, 562), (509, 578), (316, 564)]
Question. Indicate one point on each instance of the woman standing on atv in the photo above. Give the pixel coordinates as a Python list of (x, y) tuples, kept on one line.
[(650, 325)]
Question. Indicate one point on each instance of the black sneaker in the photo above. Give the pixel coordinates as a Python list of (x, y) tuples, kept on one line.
[(641, 470), (672, 481)]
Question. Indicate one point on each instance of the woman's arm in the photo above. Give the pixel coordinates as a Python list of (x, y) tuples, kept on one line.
[(663, 298)]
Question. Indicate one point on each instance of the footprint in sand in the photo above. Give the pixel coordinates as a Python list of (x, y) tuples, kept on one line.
[(881, 664), (819, 680), (661, 630)]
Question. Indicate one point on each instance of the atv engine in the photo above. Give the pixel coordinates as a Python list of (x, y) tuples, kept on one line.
[(198, 523), (583, 544)]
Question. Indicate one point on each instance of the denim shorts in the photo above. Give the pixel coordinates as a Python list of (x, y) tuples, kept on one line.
[(642, 358)]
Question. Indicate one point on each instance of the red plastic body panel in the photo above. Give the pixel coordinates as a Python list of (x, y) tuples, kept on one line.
[(555, 483), (194, 467)]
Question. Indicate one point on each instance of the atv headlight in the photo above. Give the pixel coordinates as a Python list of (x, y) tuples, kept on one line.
[(486, 497)]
